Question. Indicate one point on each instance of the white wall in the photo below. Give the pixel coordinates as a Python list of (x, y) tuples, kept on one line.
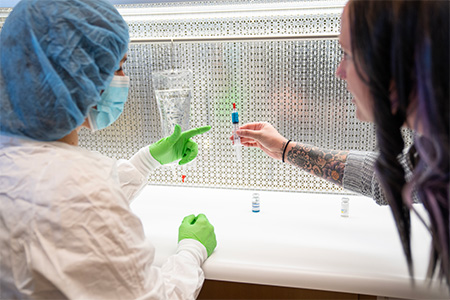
[(8, 3), (12, 3)]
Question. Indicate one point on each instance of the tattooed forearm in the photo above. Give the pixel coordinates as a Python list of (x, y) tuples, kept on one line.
[(324, 163)]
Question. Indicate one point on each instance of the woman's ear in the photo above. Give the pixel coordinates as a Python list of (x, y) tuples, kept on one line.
[(85, 124)]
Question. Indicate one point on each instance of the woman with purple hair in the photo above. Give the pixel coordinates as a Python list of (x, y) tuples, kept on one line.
[(396, 65)]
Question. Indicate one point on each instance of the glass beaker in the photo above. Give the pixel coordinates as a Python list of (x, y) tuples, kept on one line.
[(173, 91)]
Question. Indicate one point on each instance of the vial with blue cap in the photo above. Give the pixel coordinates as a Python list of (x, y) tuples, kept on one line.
[(255, 203)]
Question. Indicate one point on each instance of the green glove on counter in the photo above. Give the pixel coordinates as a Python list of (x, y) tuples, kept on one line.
[(198, 228), (177, 146)]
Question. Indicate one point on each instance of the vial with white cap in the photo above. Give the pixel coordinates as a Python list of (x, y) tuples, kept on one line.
[(345, 207), (255, 202)]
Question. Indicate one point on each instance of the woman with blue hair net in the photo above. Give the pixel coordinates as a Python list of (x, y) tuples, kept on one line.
[(66, 229)]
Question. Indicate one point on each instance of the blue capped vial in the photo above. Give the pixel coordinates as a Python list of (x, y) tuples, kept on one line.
[(255, 202)]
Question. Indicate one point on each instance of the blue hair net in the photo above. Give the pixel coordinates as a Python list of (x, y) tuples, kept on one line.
[(55, 58)]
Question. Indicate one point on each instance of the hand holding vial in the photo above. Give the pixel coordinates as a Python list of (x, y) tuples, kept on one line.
[(261, 135)]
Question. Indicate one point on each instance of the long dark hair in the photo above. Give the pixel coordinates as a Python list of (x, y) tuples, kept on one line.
[(405, 45)]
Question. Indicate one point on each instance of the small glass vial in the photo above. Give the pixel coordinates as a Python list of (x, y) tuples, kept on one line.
[(344, 207), (255, 202)]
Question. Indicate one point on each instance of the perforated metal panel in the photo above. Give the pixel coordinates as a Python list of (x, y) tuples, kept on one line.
[(4, 12), (284, 76)]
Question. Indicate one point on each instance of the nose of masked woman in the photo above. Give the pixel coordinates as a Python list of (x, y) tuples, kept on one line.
[(49, 82)]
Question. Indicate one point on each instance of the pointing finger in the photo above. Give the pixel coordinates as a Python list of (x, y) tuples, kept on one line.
[(196, 131)]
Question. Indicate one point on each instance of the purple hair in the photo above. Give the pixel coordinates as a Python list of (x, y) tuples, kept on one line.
[(405, 44)]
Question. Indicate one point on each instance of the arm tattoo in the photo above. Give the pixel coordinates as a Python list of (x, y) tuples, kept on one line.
[(326, 164)]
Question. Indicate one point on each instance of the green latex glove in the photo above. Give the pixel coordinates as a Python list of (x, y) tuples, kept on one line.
[(198, 228), (178, 145)]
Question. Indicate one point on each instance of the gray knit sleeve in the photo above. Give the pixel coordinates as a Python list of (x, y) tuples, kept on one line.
[(359, 176)]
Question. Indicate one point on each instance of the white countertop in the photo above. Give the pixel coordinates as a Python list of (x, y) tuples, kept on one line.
[(297, 240)]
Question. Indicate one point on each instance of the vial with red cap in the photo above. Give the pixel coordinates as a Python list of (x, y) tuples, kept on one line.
[(236, 138)]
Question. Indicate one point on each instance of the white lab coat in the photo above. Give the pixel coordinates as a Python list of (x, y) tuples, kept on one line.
[(66, 229)]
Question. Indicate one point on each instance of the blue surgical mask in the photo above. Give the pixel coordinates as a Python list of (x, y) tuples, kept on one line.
[(111, 104)]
